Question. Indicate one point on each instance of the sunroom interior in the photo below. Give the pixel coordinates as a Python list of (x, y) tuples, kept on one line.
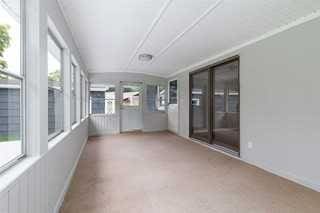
[(159, 106)]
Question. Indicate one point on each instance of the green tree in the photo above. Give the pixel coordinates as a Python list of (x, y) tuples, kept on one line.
[(4, 44), (54, 76)]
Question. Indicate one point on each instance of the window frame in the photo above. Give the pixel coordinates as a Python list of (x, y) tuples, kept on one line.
[(55, 39), (96, 89), (169, 94), (73, 77), (22, 80)]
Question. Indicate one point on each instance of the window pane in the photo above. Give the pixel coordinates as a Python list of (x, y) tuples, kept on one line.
[(11, 110), (151, 98), (10, 36), (81, 94), (161, 98), (55, 89), (10, 117), (73, 95), (131, 95), (173, 91), (102, 99)]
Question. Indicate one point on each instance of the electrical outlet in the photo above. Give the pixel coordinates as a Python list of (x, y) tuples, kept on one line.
[(250, 145)]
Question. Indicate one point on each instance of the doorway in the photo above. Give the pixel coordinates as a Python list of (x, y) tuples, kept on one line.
[(131, 106), (215, 105)]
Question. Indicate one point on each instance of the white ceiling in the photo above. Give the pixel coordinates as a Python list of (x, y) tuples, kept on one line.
[(111, 34)]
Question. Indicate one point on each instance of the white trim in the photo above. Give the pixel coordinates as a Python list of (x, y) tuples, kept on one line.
[(290, 177), (211, 59), (68, 180), (190, 27), (151, 28)]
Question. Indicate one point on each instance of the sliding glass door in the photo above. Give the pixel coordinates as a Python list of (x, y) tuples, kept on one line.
[(214, 105), (200, 101), (226, 101)]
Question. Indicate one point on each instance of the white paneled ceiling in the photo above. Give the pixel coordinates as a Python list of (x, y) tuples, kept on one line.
[(111, 34)]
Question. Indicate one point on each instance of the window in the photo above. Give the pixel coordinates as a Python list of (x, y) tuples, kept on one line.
[(73, 93), (131, 95), (102, 99), (173, 88), (81, 96), (156, 98), (86, 98), (11, 85), (55, 88)]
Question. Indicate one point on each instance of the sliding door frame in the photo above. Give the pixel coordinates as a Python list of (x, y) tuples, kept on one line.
[(211, 104)]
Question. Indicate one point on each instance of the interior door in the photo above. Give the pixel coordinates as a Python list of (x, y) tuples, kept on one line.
[(173, 107), (131, 106)]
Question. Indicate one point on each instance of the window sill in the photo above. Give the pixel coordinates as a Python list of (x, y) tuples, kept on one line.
[(56, 140), (9, 177)]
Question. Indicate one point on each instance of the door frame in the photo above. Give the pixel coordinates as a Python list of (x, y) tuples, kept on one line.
[(140, 107), (210, 68)]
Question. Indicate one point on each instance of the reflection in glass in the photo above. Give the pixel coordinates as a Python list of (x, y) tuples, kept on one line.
[(11, 119), (199, 104), (226, 106)]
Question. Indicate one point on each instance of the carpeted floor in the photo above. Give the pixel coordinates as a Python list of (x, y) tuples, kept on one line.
[(163, 173)]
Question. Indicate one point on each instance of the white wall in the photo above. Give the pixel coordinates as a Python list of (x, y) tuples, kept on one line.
[(40, 187), (280, 103), (152, 121)]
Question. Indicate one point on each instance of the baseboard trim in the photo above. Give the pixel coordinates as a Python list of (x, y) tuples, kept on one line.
[(68, 181), (285, 175)]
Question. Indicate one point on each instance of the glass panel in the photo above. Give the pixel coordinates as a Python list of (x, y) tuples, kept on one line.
[(173, 87), (161, 98), (10, 119), (102, 99), (131, 95), (10, 36), (73, 95), (226, 106), (81, 96), (55, 89), (200, 102), (151, 98)]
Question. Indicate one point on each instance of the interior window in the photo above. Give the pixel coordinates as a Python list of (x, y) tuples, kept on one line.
[(173, 88), (11, 84), (102, 99), (156, 98), (73, 94), (131, 95), (55, 88)]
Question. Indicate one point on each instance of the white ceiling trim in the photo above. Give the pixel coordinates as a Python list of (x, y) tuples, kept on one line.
[(153, 25), (190, 27), (212, 59)]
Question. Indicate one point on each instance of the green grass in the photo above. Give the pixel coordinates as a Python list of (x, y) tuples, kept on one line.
[(7, 138)]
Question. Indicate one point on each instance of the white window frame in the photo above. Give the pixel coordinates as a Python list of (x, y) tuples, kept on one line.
[(58, 39), (74, 65), (21, 78)]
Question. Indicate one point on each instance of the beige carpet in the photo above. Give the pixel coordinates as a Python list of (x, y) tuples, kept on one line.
[(163, 173)]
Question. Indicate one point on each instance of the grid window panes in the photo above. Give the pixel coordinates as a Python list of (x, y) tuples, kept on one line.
[(55, 88), (102, 99), (73, 94), (173, 89), (156, 98), (131, 95), (11, 84)]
